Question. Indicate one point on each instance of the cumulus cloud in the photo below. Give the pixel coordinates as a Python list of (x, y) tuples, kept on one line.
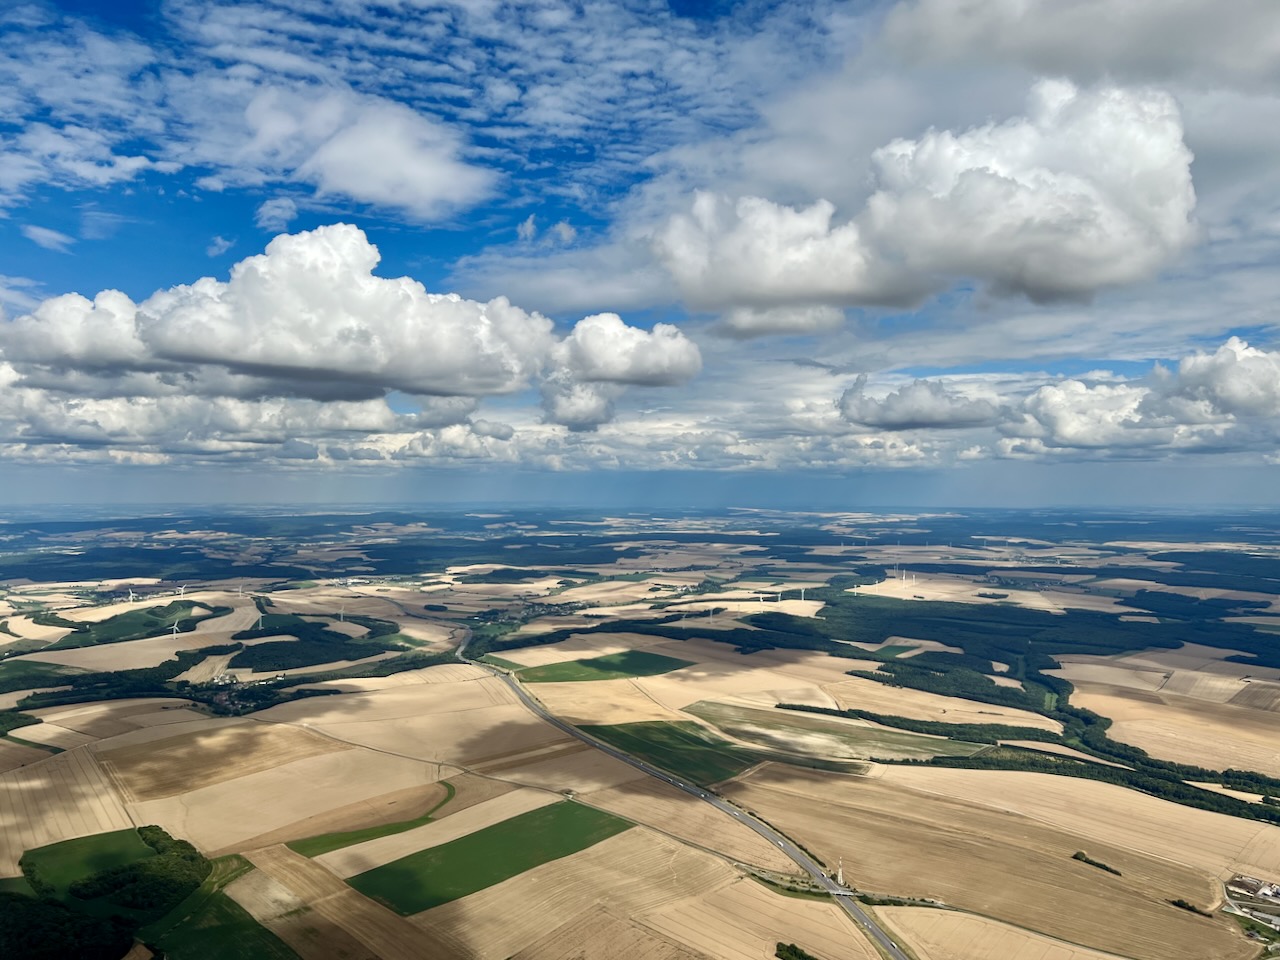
[(603, 349), (218, 246), (49, 239), (1236, 380), (1092, 189), (305, 333), (917, 405)]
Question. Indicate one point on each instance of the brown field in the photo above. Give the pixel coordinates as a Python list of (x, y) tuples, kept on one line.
[(186, 722), (393, 807), (871, 695), (111, 718), (225, 817), (15, 755), (462, 723), (9, 701), (662, 807), (27, 630), (1213, 735), (744, 921), (59, 798), (132, 655), (992, 862), (206, 669), (444, 673), (469, 790), (630, 873), (358, 858), (382, 932), (947, 935), (602, 701), (581, 769), (53, 735), (598, 935), (581, 647), (167, 767), (1212, 843), (312, 936)]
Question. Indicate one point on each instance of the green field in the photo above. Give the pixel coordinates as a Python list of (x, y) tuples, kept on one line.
[(131, 625), (682, 747), (25, 674), (61, 864), (615, 666), (326, 842), (460, 867), (806, 735), (16, 885), (209, 925)]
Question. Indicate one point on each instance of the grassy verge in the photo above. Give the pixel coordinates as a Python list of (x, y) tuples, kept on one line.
[(327, 842), (460, 867), (615, 666), (499, 662)]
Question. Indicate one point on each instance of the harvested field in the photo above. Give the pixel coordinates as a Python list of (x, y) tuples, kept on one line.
[(168, 767), (180, 727), (111, 718), (310, 935), (580, 646), (1105, 670), (64, 796), (744, 921), (360, 857), (946, 935), (876, 697), (598, 935), (444, 673), (206, 669), (463, 723), (225, 817), (1218, 736), (53, 735), (995, 863), (470, 790), (664, 808), (838, 738), (129, 655), (386, 935), (1213, 843), (14, 755), (603, 702), (394, 807), (626, 875)]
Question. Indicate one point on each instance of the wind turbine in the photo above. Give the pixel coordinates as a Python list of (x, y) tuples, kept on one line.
[(342, 613), (132, 596), (175, 629), (182, 590), (240, 590), (259, 621), (802, 594)]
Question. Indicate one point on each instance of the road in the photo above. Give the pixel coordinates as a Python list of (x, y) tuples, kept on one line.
[(838, 893)]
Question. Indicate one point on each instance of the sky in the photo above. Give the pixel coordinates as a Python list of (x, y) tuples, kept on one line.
[(983, 252)]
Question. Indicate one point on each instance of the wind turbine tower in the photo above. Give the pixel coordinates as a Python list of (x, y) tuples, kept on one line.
[(175, 629), (132, 596), (840, 873), (182, 590)]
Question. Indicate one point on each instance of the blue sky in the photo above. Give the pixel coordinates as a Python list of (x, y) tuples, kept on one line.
[(949, 250)]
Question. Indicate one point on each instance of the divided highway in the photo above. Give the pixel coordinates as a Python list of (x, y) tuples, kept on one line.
[(841, 896)]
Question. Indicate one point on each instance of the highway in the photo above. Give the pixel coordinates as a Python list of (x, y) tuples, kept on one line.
[(839, 894)]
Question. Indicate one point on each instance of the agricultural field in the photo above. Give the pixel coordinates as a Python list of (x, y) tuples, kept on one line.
[(987, 860), (614, 666), (390, 799), (485, 857), (820, 737)]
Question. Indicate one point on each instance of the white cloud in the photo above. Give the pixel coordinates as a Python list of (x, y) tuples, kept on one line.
[(563, 232), (603, 349), (49, 239), (1091, 190), (755, 322), (1148, 39), (528, 228), (218, 246), (275, 214), (921, 404)]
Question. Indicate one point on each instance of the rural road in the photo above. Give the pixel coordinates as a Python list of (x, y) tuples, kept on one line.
[(838, 893)]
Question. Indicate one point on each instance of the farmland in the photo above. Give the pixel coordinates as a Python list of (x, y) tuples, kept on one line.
[(964, 722), (488, 856), (614, 666)]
